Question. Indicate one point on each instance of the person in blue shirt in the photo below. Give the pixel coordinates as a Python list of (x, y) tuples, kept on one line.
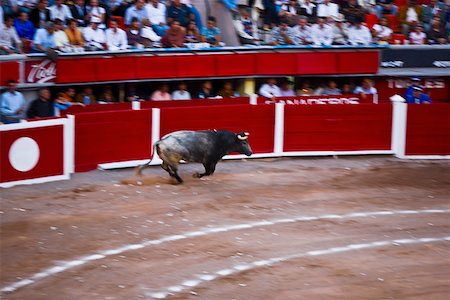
[(25, 29), (12, 104), (418, 97), (211, 33), (410, 88), (44, 38)]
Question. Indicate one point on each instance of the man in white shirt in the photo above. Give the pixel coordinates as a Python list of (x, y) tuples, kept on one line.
[(156, 13), (60, 11), (95, 37), (137, 11), (116, 38), (148, 33), (321, 33), (359, 34), (381, 32), (302, 32), (327, 9), (181, 93), (9, 40), (270, 90)]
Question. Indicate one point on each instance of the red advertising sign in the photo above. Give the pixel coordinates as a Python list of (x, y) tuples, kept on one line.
[(40, 71), (322, 99)]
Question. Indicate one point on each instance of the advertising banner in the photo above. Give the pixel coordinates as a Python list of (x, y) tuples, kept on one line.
[(415, 58)]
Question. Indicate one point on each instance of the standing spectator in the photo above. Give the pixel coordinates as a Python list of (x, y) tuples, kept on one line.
[(156, 12), (381, 32), (352, 10), (60, 11), (116, 38), (61, 39), (246, 28), (309, 10), (434, 9), (321, 33), (366, 88), (386, 7), (40, 15), (75, 36), (206, 91), (44, 40), (415, 82), (95, 38), (340, 30), (78, 11), (86, 97), (137, 11), (134, 36), (270, 14), (282, 35), (150, 36), (331, 89), (327, 9), (409, 16), (286, 89), (417, 36), (174, 37), (211, 33), (302, 32), (227, 90), (180, 12), (41, 107), (290, 12), (161, 94), (9, 40), (12, 104), (182, 92), (24, 28), (437, 34), (418, 97), (270, 90), (359, 35)]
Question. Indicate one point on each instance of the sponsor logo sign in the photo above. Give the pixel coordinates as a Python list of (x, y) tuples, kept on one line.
[(40, 71)]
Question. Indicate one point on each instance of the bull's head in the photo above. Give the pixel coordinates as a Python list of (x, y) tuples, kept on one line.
[(244, 146)]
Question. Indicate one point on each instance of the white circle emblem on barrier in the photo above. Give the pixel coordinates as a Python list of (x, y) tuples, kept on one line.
[(24, 154)]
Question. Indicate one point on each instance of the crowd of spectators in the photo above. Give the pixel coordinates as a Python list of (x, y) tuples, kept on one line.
[(78, 25)]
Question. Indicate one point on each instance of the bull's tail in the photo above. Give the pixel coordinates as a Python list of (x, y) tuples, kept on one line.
[(140, 168)]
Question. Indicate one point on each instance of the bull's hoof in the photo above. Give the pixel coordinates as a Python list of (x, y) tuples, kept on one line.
[(196, 175)]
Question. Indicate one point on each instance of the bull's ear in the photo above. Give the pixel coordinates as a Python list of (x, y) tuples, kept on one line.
[(243, 135)]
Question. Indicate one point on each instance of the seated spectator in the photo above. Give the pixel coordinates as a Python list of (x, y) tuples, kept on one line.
[(67, 96), (418, 97), (386, 7), (308, 10), (42, 107), (286, 89), (305, 89), (61, 39), (369, 6), (179, 12), (206, 91), (86, 97), (161, 94), (270, 14), (290, 12), (434, 9), (174, 37), (417, 36), (366, 88), (75, 36), (9, 40), (359, 35), (12, 104), (381, 32), (227, 90), (352, 10), (415, 82), (409, 16), (44, 39), (211, 33), (320, 88), (246, 28), (79, 13), (60, 11), (321, 33), (24, 5), (134, 36), (65, 100), (24, 28), (437, 34), (150, 36), (182, 92), (107, 96), (327, 9), (331, 89), (156, 12), (40, 15), (195, 14), (95, 12), (192, 33), (116, 38), (270, 90), (136, 11), (302, 32), (282, 35), (119, 8), (340, 30), (94, 37)]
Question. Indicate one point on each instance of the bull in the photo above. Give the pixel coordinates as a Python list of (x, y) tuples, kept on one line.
[(206, 147)]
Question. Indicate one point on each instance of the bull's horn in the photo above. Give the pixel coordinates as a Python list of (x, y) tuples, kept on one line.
[(242, 138)]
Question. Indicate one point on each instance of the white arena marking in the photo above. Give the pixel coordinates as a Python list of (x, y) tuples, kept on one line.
[(268, 262), (64, 266)]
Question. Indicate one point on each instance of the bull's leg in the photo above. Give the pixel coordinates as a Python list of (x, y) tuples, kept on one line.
[(165, 166), (174, 170), (209, 169)]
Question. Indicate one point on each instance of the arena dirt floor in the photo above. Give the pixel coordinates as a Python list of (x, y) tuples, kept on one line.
[(300, 228)]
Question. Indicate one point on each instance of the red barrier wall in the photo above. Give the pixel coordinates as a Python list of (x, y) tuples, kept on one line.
[(50, 157), (9, 70), (428, 130), (257, 120), (103, 137), (337, 127)]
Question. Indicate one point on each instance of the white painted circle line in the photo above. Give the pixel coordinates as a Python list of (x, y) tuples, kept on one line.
[(64, 266), (190, 283), (24, 154)]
